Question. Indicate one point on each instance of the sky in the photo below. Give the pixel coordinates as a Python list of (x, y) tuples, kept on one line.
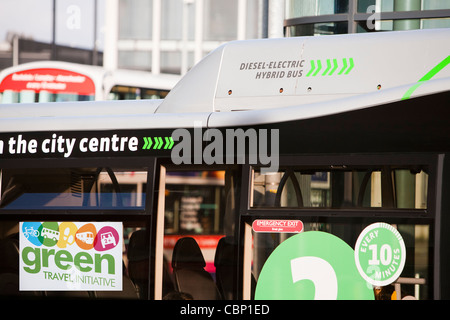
[(33, 19)]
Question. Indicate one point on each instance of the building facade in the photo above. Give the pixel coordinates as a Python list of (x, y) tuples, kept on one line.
[(170, 36), (320, 17)]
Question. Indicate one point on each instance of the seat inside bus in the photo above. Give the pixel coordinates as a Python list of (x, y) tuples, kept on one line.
[(138, 264), (190, 276)]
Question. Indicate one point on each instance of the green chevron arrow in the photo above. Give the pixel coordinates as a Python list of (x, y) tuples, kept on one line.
[(312, 68), (169, 143), (328, 67), (158, 143), (347, 68), (335, 65), (331, 67), (147, 143), (351, 66), (344, 67), (319, 66)]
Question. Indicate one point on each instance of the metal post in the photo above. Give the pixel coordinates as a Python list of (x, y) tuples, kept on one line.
[(95, 49), (407, 5), (53, 54), (185, 36), (199, 18), (276, 19), (352, 10), (110, 51), (15, 50), (156, 37), (242, 15)]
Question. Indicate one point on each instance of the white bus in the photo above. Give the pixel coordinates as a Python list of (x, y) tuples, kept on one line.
[(56, 81), (313, 168), (50, 234)]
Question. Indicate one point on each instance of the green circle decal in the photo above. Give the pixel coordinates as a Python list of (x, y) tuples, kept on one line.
[(312, 265), (380, 254)]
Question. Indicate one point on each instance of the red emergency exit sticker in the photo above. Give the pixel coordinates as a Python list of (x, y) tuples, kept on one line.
[(280, 226)]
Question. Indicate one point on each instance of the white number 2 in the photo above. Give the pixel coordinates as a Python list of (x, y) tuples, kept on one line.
[(320, 272)]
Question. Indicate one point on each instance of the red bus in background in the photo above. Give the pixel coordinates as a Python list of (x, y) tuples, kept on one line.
[(55, 81), (49, 81)]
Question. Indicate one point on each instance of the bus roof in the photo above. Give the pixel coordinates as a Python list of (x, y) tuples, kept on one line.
[(274, 80), (273, 73)]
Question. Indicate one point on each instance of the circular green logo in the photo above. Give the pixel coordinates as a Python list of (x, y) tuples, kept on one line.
[(312, 265), (380, 254)]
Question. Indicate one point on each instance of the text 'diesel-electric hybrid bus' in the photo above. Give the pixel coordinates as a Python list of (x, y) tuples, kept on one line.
[(295, 168)]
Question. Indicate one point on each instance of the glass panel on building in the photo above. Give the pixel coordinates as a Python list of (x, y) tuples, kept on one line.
[(306, 8), (404, 5), (135, 19), (315, 29)]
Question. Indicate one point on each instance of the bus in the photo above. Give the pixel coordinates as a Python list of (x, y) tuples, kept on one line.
[(56, 81), (278, 169)]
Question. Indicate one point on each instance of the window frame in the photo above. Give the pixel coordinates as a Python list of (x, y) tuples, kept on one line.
[(147, 164), (351, 160)]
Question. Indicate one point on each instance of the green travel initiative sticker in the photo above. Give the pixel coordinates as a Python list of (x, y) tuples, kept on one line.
[(380, 254), (312, 265)]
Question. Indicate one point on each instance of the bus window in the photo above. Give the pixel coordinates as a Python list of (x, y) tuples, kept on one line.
[(27, 96), (341, 187), (133, 93), (200, 218), (317, 197), (413, 283), (72, 187), (24, 96)]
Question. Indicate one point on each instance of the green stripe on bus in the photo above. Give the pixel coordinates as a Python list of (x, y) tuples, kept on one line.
[(430, 74)]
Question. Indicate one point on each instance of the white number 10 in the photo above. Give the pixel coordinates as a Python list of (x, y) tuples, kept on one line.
[(385, 255)]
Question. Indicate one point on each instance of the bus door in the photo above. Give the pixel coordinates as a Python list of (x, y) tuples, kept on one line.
[(347, 231), (196, 242)]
